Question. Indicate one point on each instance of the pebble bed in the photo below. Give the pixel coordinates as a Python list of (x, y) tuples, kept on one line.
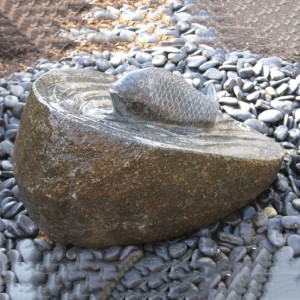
[(226, 260)]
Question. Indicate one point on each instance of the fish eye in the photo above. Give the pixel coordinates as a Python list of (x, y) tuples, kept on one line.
[(141, 83)]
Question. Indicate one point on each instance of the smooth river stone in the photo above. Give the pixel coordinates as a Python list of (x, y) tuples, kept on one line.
[(94, 179)]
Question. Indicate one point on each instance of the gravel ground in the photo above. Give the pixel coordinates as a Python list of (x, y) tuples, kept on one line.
[(229, 259)]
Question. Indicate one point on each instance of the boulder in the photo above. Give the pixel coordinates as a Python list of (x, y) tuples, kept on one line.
[(91, 178)]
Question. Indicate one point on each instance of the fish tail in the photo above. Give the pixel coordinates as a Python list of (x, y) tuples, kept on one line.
[(212, 93)]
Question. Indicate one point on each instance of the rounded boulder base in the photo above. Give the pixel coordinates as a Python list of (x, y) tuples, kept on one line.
[(94, 179)]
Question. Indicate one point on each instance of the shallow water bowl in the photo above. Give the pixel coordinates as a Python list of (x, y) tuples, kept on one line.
[(91, 178)]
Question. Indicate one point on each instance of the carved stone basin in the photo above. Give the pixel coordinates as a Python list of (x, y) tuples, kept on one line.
[(91, 178)]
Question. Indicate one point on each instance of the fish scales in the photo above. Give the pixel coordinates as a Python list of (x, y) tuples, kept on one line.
[(157, 94)]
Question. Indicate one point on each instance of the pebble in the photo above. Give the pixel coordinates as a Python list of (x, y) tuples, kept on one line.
[(276, 238), (177, 250), (16, 90), (208, 65), (281, 133), (143, 57), (281, 183), (228, 101), (183, 26), (253, 96), (195, 61), (260, 219), (257, 125), (103, 65), (159, 60), (208, 247), (295, 202), (276, 74), (270, 116), (246, 72), (230, 238), (27, 225), (270, 211), (112, 253), (294, 242), (190, 47), (238, 253), (239, 114), (282, 89), (213, 73), (290, 222)]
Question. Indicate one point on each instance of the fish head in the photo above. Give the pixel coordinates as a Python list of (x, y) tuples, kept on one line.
[(129, 90)]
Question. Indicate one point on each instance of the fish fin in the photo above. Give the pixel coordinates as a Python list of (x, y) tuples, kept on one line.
[(212, 93)]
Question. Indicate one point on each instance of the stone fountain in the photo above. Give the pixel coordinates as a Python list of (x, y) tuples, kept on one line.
[(92, 178)]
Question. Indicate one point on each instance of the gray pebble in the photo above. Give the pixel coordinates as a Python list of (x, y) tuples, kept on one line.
[(195, 61), (247, 232), (16, 90), (276, 238), (29, 251), (238, 253), (257, 125), (143, 57), (248, 212), (253, 96), (291, 222), (281, 133), (271, 62), (293, 86), (116, 61), (112, 254), (183, 26), (190, 47), (295, 202), (208, 65), (6, 148), (257, 69), (43, 244), (230, 238), (294, 242), (229, 84), (288, 145), (152, 263), (246, 72), (103, 65), (213, 74), (238, 92), (279, 82), (27, 225), (10, 101), (228, 101), (262, 104), (276, 74), (161, 250), (260, 219), (207, 246), (282, 89), (159, 60), (176, 250), (270, 116), (132, 279), (281, 184), (237, 114), (285, 107), (59, 252)]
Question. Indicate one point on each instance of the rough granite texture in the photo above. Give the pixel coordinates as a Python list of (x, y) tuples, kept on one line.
[(100, 181)]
